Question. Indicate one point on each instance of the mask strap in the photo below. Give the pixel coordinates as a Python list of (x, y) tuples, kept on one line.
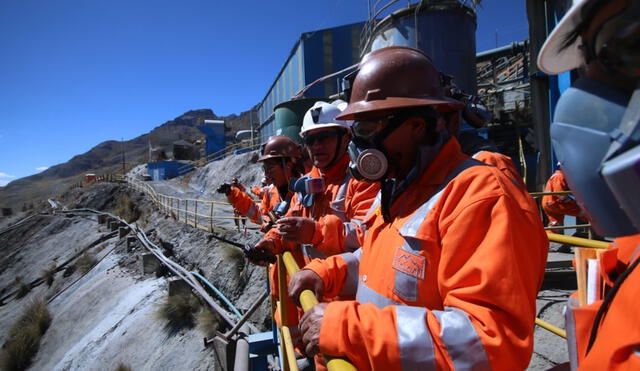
[(627, 135)]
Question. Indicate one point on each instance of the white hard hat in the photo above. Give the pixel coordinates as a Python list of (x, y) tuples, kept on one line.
[(323, 115), (551, 59)]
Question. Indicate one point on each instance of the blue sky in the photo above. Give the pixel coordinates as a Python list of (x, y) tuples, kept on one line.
[(74, 73)]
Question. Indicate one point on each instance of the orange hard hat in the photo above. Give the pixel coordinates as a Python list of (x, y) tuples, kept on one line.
[(393, 78), (280, 146)]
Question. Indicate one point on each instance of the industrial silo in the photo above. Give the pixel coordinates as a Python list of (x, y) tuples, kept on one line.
[(444, 29), (289, 116)]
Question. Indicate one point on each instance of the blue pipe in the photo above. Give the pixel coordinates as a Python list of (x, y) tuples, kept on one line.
[(220, 294)]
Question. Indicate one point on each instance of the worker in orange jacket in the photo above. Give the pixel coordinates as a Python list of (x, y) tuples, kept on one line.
[(259, 190), (325, 217), (327, 209), (593, 138), (557, 206), (479, 148), (280, 159), (454, 252)]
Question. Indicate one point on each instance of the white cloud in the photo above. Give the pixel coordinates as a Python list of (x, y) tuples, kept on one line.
[(6, 176), (42, 168), (3, 183)]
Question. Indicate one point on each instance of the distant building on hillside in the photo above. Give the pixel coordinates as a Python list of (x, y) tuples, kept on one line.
[(214, 136)]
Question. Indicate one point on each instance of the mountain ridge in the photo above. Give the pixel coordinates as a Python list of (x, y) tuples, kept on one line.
[(106, 157)]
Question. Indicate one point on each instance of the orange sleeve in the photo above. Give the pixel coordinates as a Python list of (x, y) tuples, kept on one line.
[(492, 265), (483, 279), (333, 271), (256, 191), (334, 236), (244, 204), (281, 245)]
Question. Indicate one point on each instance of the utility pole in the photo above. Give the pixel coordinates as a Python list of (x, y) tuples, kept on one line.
[(251, 123), (122, 142)]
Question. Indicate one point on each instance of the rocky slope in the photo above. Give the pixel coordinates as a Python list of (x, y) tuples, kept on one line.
[(110, 315)]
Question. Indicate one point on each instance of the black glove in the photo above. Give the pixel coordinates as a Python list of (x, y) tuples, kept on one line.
[(224, 188), (258, 256)]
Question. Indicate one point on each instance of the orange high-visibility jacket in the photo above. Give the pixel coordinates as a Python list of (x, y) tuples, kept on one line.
[(555, 206), (246, 206), (617, 342), (258, 191), (502, 162), (338, 212), (449, 282)]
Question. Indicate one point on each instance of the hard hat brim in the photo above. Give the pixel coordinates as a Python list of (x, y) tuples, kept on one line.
[(393, 103), (552, 60), (322, 126)]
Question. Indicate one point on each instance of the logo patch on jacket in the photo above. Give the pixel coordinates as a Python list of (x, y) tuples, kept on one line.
[(411, 264)]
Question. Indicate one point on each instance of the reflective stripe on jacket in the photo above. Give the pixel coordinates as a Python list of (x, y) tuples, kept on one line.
[(558, 205), (450, 282)]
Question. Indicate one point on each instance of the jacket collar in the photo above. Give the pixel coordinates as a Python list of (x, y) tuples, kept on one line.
[(335, 173)]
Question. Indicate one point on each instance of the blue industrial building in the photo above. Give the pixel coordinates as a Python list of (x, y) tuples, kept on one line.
[(214, 136), (162, 170), (314, 55)]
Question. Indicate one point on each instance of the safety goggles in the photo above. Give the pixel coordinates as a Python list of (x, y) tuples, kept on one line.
[(271, 164), (368, 129), (310, 139)]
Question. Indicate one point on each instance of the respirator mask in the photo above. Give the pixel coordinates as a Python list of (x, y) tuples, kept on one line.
[(621, 169), (307, 187), (368, 160), (586, 121), (596, 129)]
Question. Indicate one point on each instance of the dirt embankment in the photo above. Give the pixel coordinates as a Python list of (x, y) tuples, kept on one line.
[(110, 314)]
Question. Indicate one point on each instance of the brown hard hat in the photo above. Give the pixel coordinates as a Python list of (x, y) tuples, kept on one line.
[(396, 77), (280, 146)]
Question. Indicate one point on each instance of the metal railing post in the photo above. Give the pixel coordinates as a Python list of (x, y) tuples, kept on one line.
[(282, 311), (211, 218), (195, 215)]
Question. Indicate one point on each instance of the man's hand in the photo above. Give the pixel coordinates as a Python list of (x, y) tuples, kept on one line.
[(305, 279), (261, 253), (297, 229), (266, 224), (224, 188), (310, 325)]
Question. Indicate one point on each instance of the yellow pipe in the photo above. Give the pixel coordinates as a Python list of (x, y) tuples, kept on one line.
[(282, 288), (308, 300), (536, 194), (290, 357), (577, 241), (557, 227), (549, 327)]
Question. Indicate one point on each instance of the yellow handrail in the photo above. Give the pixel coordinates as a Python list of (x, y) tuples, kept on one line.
[(549, 327), (308, 300), (577, 241), (536, 194)]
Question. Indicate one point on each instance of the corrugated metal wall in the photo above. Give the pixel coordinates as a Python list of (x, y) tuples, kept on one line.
[(316, 54)]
